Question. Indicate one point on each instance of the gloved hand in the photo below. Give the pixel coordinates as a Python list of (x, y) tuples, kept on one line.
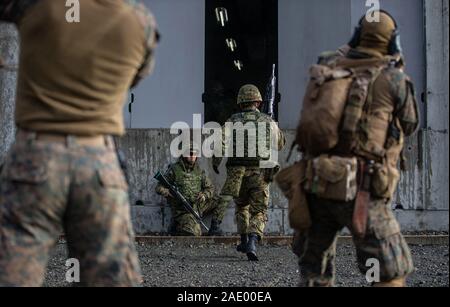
[(201, 197), (165, 193)]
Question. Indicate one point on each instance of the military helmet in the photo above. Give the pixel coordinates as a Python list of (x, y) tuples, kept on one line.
[(248, 93)]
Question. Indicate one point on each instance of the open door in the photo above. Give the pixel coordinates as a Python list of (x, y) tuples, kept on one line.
[(241, 46)]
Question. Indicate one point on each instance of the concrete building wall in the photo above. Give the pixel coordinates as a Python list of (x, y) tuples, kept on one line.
[(148, 151), (307, 28), (9, 47)]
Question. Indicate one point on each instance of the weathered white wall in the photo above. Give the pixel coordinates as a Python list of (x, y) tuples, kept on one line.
[(307, 28), (148, 151), (9, 51), (174, 91)]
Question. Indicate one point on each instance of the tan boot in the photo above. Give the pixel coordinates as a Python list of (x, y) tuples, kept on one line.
[(394, 283)]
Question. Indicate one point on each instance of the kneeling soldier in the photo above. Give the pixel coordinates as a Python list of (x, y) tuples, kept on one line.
[(197, 188)]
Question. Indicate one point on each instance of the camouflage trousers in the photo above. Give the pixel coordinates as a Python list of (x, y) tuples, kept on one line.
[(184, 223), (250, 191), (50, 188), (382, 243)]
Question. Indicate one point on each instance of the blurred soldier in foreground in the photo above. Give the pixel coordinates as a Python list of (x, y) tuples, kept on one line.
[(358, 108), (62, 174), (247, 183), (198, 190)]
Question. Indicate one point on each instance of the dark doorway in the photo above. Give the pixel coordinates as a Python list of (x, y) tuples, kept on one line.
[(241, 46)]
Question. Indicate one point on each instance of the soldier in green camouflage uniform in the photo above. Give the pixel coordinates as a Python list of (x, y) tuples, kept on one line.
[(62, 175), (198, 190), (247, 183), (392, 93)]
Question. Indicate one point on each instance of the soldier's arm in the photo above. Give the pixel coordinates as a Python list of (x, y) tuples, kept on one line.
[(406, 107), (162, 190), (151, 41), (13, 10), (207, 186), (216, 161)]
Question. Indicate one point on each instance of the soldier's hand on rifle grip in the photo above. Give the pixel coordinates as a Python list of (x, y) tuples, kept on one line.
[(201, 197)]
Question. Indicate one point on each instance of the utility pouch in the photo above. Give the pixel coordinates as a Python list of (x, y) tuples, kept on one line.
[(290, 181), (332, 177)]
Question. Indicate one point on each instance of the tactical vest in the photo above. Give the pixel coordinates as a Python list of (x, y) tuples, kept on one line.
[(252, 124), (188, 182)]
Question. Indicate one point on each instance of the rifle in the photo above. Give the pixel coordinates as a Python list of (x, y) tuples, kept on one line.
[(178, 196), (269, 101)]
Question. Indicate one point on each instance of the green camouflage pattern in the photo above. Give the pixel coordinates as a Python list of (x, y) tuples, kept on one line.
[(246, 182), (248, 93), (47, 189), (250, 191), (274, 137), (192, 183)]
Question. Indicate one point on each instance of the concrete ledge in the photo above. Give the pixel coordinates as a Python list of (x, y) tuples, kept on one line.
[(155, 219), (276, 240)]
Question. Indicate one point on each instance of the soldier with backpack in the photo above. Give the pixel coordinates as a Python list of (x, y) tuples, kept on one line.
[(358, 108)]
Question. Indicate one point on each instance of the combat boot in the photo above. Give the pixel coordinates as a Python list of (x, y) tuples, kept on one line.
[(253, 238), (242, 248), (214, 230)]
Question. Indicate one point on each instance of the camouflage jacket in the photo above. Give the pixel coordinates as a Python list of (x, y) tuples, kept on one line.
[(13, 11), (250, 147), (191, 181)]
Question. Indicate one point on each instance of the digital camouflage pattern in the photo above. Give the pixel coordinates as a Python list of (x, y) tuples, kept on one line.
[(192, 182), (317, 247), (246, 182), (47, 189), (249, 93)]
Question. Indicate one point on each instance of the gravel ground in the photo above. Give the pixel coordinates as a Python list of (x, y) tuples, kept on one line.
[(172, 264)]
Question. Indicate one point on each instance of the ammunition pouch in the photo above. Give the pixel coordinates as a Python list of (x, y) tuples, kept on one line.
[(332, 177), (384, 181), (290, 181)]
